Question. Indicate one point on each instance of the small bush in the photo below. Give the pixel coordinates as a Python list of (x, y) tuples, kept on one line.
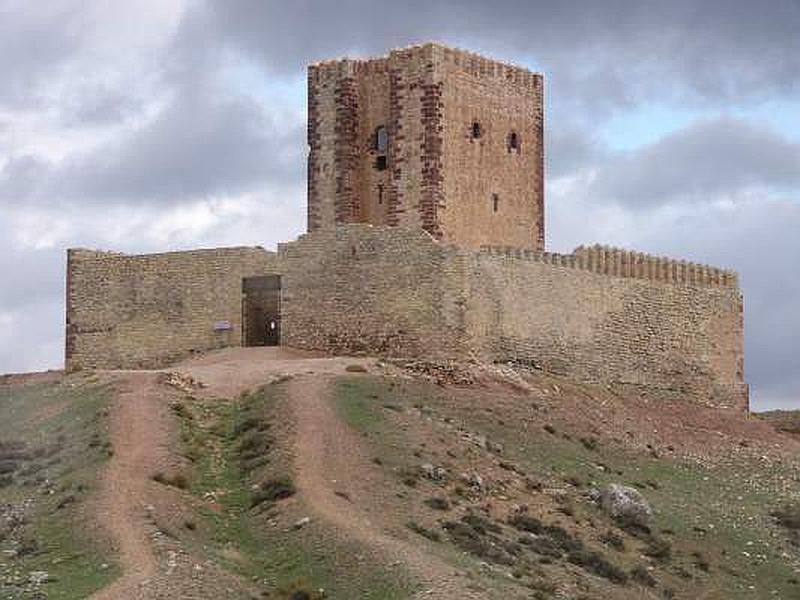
[(481, 524), (430, 534), (658, 549), (465, 537), (596, 563), (66, 501), (300, 590), (177, 481), (272, 491), (642, 576), (550, 429), (563, 538), (788, 516), (526, 523), (246, 424), (8, 466), (437, 503), (590, 443), (700, 562), (613, 540), (355, 369), (542, 545)]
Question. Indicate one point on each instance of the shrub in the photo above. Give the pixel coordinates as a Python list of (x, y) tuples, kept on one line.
[(596, 563), (273, 490), (658, 549), (526, 523), (788, 516), (642, 576), (613, 540), (437, 503), (177, 481), (355, 369), (541, 545), (8, 466), (481, 524), (245, 425), (424, 532), (700, 562)]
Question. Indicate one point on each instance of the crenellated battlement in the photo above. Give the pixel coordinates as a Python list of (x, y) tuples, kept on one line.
[(468, 62), (616, 262)]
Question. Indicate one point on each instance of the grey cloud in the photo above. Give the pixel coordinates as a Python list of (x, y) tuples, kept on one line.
[(569, 148), (201, 144), (730, 49), (35, 42), (703, 160)]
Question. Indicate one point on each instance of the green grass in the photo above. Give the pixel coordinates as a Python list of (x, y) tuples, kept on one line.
[(63, 426), (277, 557), (724, 512)]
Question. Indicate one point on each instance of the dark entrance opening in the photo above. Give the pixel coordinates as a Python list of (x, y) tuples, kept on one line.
[(261, 310)]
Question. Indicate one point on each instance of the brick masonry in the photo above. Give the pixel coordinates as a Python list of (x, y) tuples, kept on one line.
[(438, 175)]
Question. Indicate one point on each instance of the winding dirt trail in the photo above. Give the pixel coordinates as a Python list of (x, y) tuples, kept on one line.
[(330, 459), (140, 436)]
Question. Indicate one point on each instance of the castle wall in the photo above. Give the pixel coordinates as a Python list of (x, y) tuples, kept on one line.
[(382, 291), (147, 310), (598, 315), (606, 315)]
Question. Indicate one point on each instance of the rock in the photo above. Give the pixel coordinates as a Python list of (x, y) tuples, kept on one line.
[(38, 577), (302, 523), (433, 473), (494, 447), (625, 503), (473, 480)]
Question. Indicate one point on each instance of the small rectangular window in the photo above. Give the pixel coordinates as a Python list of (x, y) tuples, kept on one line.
[(380, 163), (495, 202)]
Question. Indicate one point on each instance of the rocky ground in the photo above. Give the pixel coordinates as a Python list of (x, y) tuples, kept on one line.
[(265, 473)]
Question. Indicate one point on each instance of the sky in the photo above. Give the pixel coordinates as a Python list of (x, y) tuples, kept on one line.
[(672, 128)]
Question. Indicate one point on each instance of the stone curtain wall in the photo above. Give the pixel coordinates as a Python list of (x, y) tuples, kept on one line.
[(363, 289), (640, 320), (147, 310), (599, 314)]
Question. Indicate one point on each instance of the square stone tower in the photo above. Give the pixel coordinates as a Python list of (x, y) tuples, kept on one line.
[(429, 137)]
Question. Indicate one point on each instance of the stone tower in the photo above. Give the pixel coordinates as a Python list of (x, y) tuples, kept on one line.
[(429, 137)]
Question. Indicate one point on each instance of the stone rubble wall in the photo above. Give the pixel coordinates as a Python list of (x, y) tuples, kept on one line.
[(600, 314), (148, 310)]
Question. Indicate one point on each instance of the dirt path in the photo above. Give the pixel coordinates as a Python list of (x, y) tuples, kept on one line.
[(330, 458), (140, 436)]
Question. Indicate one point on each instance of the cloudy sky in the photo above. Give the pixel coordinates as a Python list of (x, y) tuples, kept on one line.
[(673, 128)]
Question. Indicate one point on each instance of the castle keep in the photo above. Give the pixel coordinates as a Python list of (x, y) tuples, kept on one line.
[(425, 239), (428, 137)]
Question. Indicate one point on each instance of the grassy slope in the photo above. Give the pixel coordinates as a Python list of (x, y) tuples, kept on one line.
[(237, 445), (62, 432), (717, 521)]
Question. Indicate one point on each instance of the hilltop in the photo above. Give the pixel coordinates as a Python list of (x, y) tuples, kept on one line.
[(269, 473)]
